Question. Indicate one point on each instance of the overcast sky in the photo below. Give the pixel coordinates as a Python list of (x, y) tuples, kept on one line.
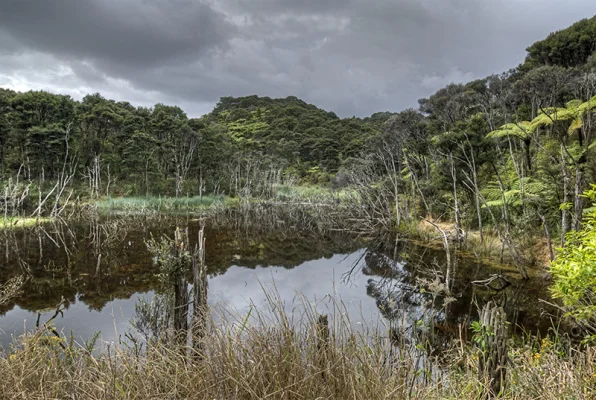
[(354, 57)]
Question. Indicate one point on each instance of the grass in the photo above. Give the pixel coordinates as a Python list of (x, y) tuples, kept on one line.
[(20, 222), (298, 193), (273, 355), (158, 204), (533, 249), (292, 194)]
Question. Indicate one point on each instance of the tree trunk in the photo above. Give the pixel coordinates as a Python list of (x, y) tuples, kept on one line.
[(477, 199), (528, 155), (518, 260), (564, 211), (492, 362), (578, 204), (455, 200), (548, 237), (200, 310), (181, 302), (147, 178), (180, 308)]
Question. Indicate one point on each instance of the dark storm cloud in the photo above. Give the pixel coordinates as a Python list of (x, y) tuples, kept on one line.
[(354, 57), (129, 32)]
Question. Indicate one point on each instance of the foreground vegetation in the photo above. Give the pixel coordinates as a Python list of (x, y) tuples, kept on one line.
[(274, 355)]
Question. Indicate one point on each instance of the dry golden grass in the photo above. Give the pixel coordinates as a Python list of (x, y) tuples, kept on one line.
[(273, 356)]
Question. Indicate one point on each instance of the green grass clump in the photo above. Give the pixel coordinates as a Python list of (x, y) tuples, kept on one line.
[(159, 204), (21, 222), (311, 193), (282, 193)]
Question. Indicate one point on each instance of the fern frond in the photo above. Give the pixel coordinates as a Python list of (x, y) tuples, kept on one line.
[(534, 191), (573, 104), (543, 119), (521, 130), (587, 106), (576, 124)]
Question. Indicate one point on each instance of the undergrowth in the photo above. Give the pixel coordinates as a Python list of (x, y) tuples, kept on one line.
[(271, 354)]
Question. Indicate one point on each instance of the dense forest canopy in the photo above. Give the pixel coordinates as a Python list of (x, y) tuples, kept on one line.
[(569, 47), (151, 149)]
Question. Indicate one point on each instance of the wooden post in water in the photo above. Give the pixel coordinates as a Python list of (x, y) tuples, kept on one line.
[(492, 361), (323, 342), (200, 308), (180, 287)]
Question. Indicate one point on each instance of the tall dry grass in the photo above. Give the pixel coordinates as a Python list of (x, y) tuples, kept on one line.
[(271, 354)]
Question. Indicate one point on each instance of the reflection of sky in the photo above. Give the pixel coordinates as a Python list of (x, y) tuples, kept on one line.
[(236, 289), (314, 280), (112, 320)]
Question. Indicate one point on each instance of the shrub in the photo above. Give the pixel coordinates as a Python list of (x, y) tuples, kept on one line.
[(574, 268)]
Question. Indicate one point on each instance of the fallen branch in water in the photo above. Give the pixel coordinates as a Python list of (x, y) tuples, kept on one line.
[(487, 282)]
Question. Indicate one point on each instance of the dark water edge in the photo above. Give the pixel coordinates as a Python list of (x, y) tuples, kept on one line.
[(101, 267)]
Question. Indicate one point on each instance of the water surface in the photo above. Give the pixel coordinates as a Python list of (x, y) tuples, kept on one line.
[(101, 267)]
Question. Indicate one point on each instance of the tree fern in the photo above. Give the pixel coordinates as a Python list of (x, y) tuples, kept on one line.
[(522, 130), (574, 110), (534, 191)]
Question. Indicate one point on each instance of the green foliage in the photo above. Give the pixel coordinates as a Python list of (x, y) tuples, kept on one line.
[(574, 269), (575, 111), (517, 193), (522, 130), (567, 48), (156, 151), (479, 334), (171, 255)]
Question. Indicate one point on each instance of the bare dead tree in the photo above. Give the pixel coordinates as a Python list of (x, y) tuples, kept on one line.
[(94, 176), (65, 178), (448, 274), (183, 157), (15, 195)]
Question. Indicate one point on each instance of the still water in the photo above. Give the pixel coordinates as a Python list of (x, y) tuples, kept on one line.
[(101, 267)]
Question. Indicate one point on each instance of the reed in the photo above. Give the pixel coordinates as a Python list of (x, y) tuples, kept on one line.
[(275, 354)]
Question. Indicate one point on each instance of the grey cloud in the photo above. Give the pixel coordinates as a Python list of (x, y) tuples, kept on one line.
[(353, 57), (129, 32)]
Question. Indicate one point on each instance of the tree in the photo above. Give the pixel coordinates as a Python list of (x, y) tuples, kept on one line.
[(567, 48)]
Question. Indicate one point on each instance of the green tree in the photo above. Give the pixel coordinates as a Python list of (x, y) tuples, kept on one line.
[(569, 47)]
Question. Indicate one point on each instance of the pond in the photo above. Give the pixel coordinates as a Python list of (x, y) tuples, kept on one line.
[(101, 267)]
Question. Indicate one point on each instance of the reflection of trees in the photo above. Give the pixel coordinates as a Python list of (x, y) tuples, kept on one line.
[(65, 259), (96, 260), (275, 248), (400, 269), (394, 299)]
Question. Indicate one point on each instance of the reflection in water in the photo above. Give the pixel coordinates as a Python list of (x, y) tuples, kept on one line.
[(102, 267)]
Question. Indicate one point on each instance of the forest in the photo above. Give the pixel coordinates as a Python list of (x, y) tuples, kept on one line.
[(503, 167), (512, 151)]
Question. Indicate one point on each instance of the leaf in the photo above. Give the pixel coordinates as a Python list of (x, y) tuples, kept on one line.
[(573, 104), (575, 125), (522, 130)]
